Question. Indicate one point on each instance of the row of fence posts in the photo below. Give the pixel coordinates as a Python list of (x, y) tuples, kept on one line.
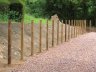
[(73, 28)]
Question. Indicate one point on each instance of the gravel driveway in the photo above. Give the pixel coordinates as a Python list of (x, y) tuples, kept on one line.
[(78, 55)]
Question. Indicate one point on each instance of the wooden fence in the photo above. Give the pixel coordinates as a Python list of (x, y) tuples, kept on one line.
[(69, 29)]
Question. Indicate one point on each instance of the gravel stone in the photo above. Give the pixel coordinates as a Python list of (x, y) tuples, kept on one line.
[(77, 55)]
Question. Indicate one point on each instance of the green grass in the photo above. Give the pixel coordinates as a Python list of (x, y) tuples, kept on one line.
[(29, 18), (3, 18)]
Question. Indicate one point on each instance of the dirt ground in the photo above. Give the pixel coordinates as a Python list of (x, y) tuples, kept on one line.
[(77, 55), (27, 42)]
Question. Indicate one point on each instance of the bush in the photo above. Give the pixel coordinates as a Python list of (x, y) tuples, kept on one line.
[(35, 8)]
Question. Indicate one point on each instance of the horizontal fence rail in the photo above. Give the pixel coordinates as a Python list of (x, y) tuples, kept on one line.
[(64, 31)]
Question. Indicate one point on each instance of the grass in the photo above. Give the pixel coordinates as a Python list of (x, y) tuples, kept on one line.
[(29, 18), (3, 18)]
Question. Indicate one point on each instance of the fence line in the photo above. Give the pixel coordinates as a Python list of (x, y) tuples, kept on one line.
[(72, 28)]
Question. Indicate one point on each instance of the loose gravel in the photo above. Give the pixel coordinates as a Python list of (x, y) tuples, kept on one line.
[(77, 55)]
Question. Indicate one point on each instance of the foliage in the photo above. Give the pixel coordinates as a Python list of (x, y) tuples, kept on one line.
[(12, 1), (28, 18), (8, 8), (35, 8), (65, 9)]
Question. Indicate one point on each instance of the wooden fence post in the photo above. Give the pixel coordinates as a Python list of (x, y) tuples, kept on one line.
[(9, 42), (90, 25), (82, 27), (69, 29), (22, 39), (74, 28), (85, 25), (52, 33), (58, 32), (32, 37), (65, 30), (62, 32), (40, 37), (47, 33), (79, 27)]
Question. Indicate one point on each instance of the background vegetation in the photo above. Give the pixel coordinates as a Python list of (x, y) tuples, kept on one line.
[(65, 9)]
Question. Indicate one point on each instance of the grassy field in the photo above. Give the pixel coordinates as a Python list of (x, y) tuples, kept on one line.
[(27, 19)]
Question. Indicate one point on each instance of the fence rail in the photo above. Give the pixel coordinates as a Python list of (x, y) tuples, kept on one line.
[(69, 29)]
